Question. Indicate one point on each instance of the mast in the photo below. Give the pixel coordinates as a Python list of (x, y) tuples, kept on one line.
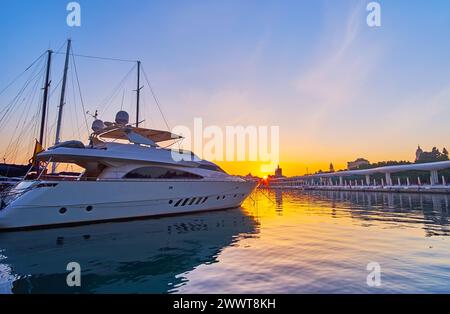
[(138, 91), (45, 99), (61, 99), (63, 92)]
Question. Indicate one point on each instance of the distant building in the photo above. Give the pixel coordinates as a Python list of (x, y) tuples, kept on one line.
[(352, 165), (331, 167), (278, 172), (251, 177), (431, 156), (419, 152)]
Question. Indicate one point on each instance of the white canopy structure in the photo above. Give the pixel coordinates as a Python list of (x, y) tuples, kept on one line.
[(118, 132), (432, 167)]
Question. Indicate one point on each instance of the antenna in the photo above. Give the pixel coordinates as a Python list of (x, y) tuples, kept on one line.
[(95, 115), (123, 96)]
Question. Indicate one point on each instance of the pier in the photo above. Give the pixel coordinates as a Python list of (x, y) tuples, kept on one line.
[(396, 178)]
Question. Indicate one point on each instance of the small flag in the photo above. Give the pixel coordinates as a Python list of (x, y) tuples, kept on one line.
[(37, 149)]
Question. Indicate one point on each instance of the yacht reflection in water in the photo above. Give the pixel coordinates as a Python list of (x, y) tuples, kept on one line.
[(147, 256)]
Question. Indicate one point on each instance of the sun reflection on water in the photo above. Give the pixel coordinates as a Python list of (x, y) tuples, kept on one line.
[(278, 242)]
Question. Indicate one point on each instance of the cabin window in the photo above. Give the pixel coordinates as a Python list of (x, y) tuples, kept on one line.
[(160, 173), (211, 167)]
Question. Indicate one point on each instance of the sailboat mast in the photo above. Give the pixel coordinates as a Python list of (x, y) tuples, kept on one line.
[(138, 91), (45, 98), (63, 92)]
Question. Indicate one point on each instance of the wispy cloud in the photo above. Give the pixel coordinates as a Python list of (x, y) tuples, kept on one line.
[(337, 75)]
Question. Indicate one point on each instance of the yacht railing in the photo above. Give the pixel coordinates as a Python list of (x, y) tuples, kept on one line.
[(12, 193)]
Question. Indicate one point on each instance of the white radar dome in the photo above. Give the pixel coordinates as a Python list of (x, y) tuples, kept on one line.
[(97, 125), (122, 117)]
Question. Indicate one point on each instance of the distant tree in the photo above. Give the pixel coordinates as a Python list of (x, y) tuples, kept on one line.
[(445, 151)]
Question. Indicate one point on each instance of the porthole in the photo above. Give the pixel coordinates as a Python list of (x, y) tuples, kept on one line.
[(62, 210), (223, 197), (235, 195), (89, 208), (171, 201), (218, 197)]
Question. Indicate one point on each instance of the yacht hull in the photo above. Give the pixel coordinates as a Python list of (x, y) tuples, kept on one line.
[(53, 203)]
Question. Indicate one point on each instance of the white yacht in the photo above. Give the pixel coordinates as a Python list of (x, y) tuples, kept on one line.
[(127, 175)]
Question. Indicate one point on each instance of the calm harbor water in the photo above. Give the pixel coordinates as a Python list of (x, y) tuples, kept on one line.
[(279, 242)]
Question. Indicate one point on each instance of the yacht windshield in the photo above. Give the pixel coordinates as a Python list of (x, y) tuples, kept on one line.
[(160, 173)]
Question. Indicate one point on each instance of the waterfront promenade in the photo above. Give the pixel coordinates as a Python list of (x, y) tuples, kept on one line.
[(389, 179)]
